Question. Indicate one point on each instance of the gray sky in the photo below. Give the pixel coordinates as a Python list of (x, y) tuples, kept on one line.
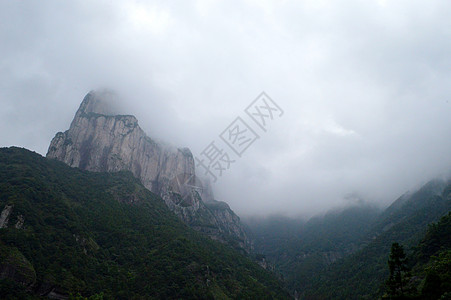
[(365, 87)]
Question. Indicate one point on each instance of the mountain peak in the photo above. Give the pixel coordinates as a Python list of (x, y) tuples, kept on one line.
[(102, 139), (103, 102)]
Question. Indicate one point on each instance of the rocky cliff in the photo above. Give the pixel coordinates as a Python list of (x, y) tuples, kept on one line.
[(101, 140)]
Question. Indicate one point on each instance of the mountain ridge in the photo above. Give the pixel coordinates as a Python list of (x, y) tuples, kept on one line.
[(101, 140), (342, 254), (105, 235)]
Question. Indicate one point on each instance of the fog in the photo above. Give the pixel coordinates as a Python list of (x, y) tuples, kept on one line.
[(364, 87)]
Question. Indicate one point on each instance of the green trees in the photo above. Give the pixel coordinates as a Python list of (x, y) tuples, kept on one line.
[(344, 255), (82, 235), (434, 261), (437, 282), (397, 264), (430, 261)]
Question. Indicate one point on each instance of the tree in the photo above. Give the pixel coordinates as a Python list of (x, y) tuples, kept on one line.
[(397, 264)]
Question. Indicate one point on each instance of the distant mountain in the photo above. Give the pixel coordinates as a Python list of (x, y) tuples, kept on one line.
[(410, 205), (362, 274), (343, 255), (66, 231), (101, 139), (300, 251)]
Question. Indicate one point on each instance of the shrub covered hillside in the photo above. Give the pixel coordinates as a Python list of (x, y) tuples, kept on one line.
[(431, 272), (362, 275), (66, 231)]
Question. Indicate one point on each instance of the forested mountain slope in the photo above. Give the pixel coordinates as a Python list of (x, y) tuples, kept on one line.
[(343, 254), (363, 274), (300, 251), (64, 230)]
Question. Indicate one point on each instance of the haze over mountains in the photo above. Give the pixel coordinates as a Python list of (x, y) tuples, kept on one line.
[(339, 255), (364, 86), (341, 188), (343, 254), (65, 232), (102, 139)]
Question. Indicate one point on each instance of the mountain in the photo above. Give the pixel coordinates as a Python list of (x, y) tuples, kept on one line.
[(410, 205), (102, 140), (362, 274), (69, 231), (431, 262), (302, 250), (343, 254)]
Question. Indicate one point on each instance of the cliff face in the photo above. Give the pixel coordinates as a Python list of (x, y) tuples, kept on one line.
[(101, 140), (228, 222)]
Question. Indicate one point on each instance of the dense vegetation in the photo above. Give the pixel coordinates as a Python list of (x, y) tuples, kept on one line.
[(431, 262), (106, 236), (426, 274), (363, 274), (343, 255), (302, 250)]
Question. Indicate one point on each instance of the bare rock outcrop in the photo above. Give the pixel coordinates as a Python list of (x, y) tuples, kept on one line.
[(101, 140), (4, 216)]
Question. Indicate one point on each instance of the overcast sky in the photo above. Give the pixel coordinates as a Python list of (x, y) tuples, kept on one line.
[(365, 87)]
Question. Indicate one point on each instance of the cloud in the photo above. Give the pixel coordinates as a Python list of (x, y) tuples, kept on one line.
[(365, 87)]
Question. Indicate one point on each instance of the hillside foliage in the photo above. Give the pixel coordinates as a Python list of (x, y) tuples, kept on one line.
[(104, 236)]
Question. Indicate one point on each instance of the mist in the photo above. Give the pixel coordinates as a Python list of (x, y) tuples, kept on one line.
[(364, 86)]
